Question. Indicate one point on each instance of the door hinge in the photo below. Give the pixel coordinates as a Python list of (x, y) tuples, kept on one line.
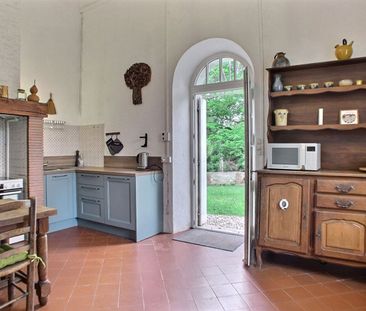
[(319, 233), (251, 92), (194, 182)]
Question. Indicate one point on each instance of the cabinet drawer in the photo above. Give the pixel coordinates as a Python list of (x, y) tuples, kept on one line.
[(341, 202), (91, 191), (90, 179), (91, 209), (341, 186)]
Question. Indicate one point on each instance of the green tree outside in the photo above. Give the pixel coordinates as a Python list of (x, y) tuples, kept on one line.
[(225, 131)]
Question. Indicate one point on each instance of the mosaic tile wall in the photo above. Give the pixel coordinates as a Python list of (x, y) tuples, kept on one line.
[(61, 140), (65, 140), (92, 144)]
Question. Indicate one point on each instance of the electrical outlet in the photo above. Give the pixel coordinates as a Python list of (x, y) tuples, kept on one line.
[(166, 159), (165, 136)]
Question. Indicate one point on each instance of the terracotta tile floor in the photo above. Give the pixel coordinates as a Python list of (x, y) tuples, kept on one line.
[(95, 271)]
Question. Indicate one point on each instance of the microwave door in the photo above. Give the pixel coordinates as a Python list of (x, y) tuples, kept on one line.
[(286, 158)]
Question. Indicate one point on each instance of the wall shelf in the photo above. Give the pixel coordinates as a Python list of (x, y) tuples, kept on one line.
[(322, 90), (311, 127), (22, 107)]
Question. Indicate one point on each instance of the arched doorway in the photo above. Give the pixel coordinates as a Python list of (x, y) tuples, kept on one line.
[(220, 88), (180, 178)]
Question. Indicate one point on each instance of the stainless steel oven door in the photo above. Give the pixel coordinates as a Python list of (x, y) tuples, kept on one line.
[(15, 194)]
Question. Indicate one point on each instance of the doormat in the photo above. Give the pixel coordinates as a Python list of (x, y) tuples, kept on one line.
[(220, 240)]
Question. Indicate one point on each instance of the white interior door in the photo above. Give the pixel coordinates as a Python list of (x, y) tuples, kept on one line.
[(250, 174), (202, 160)]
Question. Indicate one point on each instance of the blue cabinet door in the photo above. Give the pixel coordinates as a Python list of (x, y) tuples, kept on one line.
[(120, 202), (60, 194)]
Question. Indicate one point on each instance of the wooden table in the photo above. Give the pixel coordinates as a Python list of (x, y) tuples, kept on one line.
[(14, 218)]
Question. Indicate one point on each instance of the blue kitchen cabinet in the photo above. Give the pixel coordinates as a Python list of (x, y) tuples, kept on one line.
[(91, 197), (120, 202), (60, 190), (129, 206)]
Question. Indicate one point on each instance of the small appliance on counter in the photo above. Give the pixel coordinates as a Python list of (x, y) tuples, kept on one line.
[(142, 160), (305, 157)]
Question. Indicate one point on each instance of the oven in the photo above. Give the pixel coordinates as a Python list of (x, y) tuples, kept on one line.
[(11, 188)]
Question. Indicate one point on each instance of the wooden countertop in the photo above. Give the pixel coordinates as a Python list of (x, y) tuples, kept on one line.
[(320, 173), (20, 214), (103, 171)]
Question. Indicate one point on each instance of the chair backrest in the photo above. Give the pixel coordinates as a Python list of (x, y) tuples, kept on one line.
[(27, 227)]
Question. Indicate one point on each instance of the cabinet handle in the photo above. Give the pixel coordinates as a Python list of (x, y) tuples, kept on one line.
[(344, 188), (90, 176), (90, 188), (118, 178), (58, 176), (283, 204), (90, 200), (344, 203)]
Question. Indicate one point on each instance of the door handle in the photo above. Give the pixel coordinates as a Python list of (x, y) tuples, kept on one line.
[(59, 176), (283, 204)]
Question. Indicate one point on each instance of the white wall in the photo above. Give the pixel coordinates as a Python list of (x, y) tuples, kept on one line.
[(50, 53), (132, 31), (9, 45)]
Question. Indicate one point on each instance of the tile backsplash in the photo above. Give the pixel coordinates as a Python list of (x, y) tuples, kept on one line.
[(66, 139), (92, 144), (61, 140)]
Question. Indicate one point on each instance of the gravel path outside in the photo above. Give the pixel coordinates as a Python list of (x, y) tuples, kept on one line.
[(231, 224)]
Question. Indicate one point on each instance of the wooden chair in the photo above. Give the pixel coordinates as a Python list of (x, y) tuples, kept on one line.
[(19, 253)]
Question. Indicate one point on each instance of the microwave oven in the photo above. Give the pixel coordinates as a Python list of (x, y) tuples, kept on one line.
[(294, 157)]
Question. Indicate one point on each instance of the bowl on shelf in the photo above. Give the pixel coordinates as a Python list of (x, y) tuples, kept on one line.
[(314, 85), (328, 83), (288, 87), (345, 82), (301, 86)]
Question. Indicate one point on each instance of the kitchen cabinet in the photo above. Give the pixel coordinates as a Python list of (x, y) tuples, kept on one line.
[(324, 217), (130, 206), (120, 202), (284, 213), (340, 218), (60, 190)]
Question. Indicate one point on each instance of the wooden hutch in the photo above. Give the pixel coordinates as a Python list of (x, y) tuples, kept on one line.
[(326, 218)]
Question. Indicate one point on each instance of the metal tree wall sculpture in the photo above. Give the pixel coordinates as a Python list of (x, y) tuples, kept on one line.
[(136, 77)]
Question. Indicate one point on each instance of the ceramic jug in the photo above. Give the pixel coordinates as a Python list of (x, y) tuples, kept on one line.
[(344, 51), (280, 60), (281, 117)]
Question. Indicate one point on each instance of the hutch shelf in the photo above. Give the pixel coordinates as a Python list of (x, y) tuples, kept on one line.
[(326, 214)]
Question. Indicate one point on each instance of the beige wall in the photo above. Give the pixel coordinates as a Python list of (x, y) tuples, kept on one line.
[(131, 31), (50, 53)]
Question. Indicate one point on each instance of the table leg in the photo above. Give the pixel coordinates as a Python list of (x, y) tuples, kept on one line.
[(43, 287)]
